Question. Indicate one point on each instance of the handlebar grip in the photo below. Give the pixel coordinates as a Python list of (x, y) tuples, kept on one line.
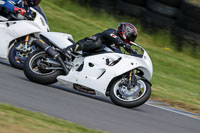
[(71, 41)]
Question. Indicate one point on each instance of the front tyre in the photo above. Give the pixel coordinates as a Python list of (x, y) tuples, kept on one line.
[(121, 95), (34, 72)]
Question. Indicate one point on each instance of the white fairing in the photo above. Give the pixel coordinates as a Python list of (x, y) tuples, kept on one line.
[(3, 18), (97, 74), (59, 39), (11, 30)]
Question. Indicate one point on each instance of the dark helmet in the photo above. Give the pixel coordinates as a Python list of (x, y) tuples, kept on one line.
[(127, 32), (33, 2)]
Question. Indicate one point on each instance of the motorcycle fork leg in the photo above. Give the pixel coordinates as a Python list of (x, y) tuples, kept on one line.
[(23, 45), (26, 41), (132, 79)]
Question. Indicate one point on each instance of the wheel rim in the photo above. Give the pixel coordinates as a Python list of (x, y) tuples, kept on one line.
[(18, 56), (124, 94), (33, 64)]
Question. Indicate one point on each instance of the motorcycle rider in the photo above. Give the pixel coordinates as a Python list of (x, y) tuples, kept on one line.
[(17, 6), (123, 36), (21, 6)]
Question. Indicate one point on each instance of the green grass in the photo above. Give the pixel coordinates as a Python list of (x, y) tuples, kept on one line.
[(176, 76), (15, 120), (195, 1)]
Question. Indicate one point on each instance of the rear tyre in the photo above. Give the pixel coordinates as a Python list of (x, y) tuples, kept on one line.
[(136, 2), (191, 10), (130, 98), (129, 9), (187, 35), (158, 20), (174, 3), (162, 9), (188, 23), (36, 74)]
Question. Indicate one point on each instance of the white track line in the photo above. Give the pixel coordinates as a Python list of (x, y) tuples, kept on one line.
[(192, 115)]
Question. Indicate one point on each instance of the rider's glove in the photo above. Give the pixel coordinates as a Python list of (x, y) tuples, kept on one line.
[(128, 48), (20, 10)]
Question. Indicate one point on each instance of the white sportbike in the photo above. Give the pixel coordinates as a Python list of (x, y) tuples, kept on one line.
[(124, 78), (17, 34)]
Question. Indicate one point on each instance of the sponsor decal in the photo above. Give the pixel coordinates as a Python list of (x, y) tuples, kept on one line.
[(113, 35), (124, 36)]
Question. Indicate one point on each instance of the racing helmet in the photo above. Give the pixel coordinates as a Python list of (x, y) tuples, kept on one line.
[(33, 2), (127, 32)]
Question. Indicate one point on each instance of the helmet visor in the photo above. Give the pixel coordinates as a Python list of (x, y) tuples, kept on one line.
[(132, 38)]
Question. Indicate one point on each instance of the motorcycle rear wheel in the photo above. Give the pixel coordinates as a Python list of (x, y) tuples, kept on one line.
[(33, 73), (137, 98)]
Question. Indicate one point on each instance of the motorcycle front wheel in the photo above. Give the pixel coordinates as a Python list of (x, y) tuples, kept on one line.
[(34, 72), (123, 96), (17, 57)]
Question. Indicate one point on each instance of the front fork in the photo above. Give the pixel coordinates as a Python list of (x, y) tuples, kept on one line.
[(24, 46), (26, 41), (132, 81)]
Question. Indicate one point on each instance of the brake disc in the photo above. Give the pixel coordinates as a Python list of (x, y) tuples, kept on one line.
[(126, 92), (24, 52)]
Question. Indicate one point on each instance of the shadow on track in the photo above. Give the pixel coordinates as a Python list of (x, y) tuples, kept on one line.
[(94, 97)]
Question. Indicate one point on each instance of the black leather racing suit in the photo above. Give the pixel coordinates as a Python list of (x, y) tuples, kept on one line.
[(98, 41)]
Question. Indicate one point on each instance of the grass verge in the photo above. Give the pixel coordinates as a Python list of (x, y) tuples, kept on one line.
[(15, 120)]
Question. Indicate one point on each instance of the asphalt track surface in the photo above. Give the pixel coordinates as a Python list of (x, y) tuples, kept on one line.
[(90, 111)]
